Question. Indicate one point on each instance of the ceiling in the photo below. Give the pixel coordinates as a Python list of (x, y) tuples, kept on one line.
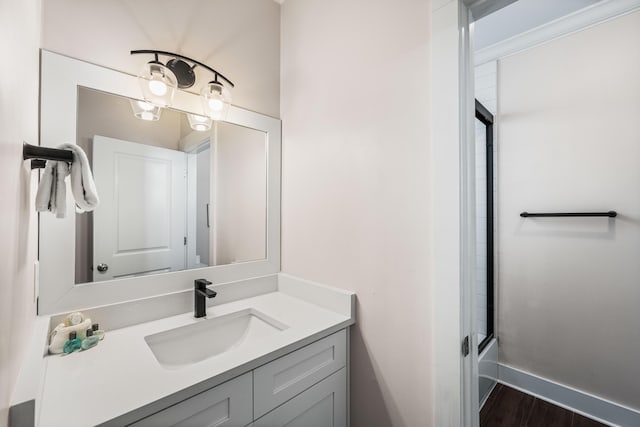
[(521, 16)]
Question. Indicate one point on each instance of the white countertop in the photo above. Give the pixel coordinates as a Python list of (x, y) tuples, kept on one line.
[(121, 374)]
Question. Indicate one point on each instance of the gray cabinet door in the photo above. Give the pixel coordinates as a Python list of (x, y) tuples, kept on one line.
[(229, 405), (323, 405)]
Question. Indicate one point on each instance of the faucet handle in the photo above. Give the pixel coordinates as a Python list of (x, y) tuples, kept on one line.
[(201, 283)]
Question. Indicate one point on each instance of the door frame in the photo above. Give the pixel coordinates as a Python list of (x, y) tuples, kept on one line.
[(456, 401), (455, 394), (192, 152)]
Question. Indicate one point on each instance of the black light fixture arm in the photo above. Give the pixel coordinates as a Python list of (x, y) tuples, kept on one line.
[(186, 58)]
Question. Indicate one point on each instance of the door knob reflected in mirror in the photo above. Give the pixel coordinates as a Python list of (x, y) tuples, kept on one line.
[(102, 267)]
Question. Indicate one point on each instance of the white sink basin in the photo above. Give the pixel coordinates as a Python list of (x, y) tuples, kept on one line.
[(183, 346)]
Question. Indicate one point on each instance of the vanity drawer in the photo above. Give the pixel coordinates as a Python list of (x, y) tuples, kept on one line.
[(324, 404), (228, 404), (280, 380)]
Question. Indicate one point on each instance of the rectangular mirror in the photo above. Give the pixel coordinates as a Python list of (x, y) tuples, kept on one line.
[(172, 198), (176, 203)]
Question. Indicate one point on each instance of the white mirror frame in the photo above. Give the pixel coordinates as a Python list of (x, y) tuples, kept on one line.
[(60, 78)]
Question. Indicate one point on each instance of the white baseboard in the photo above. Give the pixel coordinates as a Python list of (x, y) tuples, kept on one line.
[(590, 406), (486, 397)]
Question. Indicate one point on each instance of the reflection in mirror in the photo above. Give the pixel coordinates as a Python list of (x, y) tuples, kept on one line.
[(172, 198)]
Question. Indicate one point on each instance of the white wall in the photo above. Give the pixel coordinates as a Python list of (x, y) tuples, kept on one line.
[(356, 186), (569, 128), (19, 40), (486, 85), (240, 202), (241, 39)]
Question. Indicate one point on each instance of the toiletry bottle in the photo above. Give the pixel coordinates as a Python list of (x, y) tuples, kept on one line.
[(90, 341), (97, 332), (73, 344)]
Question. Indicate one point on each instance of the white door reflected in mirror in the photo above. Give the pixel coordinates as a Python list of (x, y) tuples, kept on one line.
[(141, 226)]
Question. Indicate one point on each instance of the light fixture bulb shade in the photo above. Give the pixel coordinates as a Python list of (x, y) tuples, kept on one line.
[(158, 84), (145, 111), (199, 123), (216, 100)]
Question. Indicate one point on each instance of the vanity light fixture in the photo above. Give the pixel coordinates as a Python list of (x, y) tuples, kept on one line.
[(215, 100), (159, 82), (199, 123), (145, 110)]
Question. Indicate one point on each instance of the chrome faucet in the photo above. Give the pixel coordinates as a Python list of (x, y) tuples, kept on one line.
[(201, 292)]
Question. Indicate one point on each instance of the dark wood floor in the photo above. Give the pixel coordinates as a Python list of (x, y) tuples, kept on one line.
[(507, 407)]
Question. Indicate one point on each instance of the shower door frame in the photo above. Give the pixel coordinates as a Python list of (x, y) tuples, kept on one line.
[(486, 118)]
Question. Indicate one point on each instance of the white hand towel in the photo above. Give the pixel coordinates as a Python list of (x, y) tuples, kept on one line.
[(82, 185), (43, 196), (52, 194), (52, 191)]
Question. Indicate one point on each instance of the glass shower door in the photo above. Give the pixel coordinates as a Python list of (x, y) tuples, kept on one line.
[(484, 226)]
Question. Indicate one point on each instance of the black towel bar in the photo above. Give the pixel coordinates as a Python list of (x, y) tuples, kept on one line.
[(610, 214), (40, 154)]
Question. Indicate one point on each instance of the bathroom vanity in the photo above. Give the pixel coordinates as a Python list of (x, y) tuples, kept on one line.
[(307, 385), (276, 358)]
